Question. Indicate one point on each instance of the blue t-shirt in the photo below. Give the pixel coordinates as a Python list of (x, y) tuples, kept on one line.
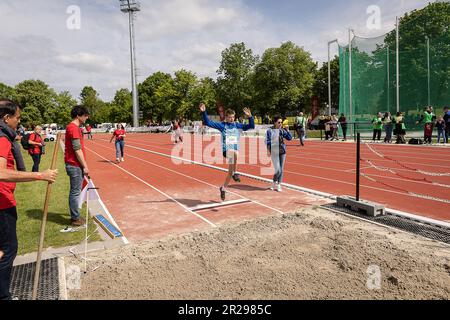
[(231, 132)]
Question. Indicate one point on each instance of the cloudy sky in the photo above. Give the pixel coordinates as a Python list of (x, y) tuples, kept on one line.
[(40, 39)]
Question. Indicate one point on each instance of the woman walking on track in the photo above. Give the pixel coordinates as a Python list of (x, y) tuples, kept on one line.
[(119, 134), (230, 140), (276, 149)]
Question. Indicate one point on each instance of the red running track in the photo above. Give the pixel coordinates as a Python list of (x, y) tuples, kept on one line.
[(149, 195)]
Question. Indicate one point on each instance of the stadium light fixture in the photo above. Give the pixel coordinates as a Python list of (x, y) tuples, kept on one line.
[(131, 7)]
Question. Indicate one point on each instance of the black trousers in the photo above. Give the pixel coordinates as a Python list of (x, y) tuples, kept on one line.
[(9, 246), (376, 134), (36, 161), (344, 131)]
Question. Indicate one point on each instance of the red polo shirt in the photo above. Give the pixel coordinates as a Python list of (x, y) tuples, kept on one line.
[(118, 133), (7, 188), (34, 149), (73, 132)]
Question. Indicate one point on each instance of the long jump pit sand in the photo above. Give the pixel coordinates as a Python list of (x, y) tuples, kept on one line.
[(307, 255)]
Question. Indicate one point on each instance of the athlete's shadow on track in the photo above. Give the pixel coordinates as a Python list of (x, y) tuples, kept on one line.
[(245, 187), (187, 202)]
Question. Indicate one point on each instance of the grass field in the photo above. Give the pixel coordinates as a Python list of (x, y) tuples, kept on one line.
[(30, 203)]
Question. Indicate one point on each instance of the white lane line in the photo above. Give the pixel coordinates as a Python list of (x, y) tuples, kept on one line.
[(156, 189), (105, 209), (201, 181), (322, 194), (318, 167)]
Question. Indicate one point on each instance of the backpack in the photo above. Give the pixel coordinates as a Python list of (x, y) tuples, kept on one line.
[(415, 141), (24, 141)]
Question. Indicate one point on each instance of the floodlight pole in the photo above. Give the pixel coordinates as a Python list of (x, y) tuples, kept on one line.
[(350, 77), (131, 7), (397, 37), (329, 76)]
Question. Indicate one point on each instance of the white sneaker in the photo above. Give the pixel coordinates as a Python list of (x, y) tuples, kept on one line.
[(117, 160), (273, 186), (123, 160), (279, 187)]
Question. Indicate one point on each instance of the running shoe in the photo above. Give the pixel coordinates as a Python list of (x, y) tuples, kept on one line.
[(279, 187), (222, 193), (236, 177), (123, 159), (273, 186)]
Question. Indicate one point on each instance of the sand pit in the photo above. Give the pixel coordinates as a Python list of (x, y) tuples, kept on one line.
[(312, 254)]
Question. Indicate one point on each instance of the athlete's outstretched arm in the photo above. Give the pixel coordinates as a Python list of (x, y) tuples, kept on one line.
[(251, 121), (215, 125)]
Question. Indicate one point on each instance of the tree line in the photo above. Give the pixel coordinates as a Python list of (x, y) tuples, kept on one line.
[(282, 80)]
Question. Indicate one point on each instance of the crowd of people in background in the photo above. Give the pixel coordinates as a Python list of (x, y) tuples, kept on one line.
[(392, 126)]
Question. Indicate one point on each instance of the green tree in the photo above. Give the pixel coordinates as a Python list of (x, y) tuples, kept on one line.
[(89, 98), (166, 101), (204, 92), (234, 82), (433, 22), (121, 109), (6, 92), (154, 107), (284, 79), (65, 103), (320, 88), (31, 116), (184, 84), (36, 93)]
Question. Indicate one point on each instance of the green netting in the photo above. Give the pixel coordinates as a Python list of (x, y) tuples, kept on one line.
[(373, 75)]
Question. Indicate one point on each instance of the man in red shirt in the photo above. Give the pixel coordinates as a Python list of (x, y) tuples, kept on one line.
[(35, 150), (75, 159), (9, 119)]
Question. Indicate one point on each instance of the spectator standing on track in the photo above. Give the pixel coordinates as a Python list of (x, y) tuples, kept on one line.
[(75, 160), (36, 147), (119, 134), (388, 127), (441, 127), (334, 128), (343, 123), (89, 131), (377, 127), (230, 131), (328, 128), (300, 123), (276, 149), (428, 134), (400, 128), (428, 117), (9, 119), (177, 133)]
